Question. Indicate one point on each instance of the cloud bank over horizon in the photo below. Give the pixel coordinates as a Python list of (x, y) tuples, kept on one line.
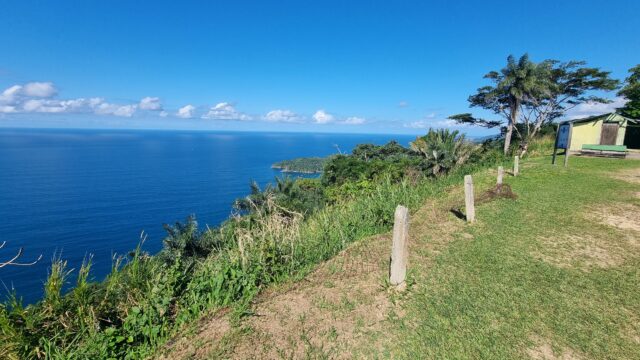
[(44, 98)]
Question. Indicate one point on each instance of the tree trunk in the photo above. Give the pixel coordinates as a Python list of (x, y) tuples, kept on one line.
[(515, 107), (507, 138)]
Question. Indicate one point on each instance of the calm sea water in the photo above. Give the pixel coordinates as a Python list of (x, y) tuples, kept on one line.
[(81, 192)]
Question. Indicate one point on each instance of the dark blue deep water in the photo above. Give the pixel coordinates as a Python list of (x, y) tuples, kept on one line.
[(81, 192)]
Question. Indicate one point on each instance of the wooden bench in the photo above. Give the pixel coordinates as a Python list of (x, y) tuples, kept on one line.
[(604, 150)]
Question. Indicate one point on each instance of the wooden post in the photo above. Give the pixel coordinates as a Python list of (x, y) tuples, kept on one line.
[(566, 151), (555, 146), (470, 210), (500, 175), (516, 165), (400, 246)]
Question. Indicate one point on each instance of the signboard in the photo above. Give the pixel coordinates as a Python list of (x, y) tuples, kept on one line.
[(563, 137), (563, 141)]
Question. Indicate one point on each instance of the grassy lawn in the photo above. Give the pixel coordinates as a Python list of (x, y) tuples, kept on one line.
[(553, 274)]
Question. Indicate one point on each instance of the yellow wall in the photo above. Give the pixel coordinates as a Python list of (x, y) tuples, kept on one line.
[(621, 132), (589, 134), (585, 133)]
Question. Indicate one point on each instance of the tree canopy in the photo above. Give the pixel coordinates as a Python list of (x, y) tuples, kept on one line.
[(527, 95), (631, 91)]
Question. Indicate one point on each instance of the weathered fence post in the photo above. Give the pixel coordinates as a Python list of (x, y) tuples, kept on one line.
[(516, 165), (400, 246), (500, 175), (470, 210)]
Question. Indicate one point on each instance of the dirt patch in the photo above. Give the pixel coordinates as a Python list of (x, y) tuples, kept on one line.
[(209, 332), (327, 314), (622, 216), (502, 191), (596, 246), (580, 251), (542, 350), (630, 175)]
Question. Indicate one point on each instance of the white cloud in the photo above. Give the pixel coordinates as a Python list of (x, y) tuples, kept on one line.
[(420, 124), (354, 120), (150, 103), (425, 124), (590, 108), (322, 117), (7, 109), (225, 111), (186, 112), (403, 104), (9, 95), (39, 89), (114, 109), (63, 106), (163, 113), (43, 106), (282, 116), (36, 97)]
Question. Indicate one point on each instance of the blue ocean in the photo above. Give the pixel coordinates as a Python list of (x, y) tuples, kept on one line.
[(76, 193)]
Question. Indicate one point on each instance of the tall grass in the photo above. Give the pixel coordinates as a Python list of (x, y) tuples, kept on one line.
[(146, 299)]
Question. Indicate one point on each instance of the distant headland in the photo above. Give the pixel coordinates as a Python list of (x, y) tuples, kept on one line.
[(303, 165)]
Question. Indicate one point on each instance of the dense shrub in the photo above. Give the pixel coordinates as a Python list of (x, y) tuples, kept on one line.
[(369, 162), (444, 150)]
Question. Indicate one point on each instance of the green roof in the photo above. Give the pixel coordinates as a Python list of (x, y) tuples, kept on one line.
[(609, 117)]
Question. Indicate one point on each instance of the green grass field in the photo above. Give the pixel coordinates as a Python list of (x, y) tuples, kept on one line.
[(553, 274)]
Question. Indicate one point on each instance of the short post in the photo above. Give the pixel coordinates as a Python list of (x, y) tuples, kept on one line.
[(566, 151), (400, 246), (500, 175), (470, 210), (516, 165)]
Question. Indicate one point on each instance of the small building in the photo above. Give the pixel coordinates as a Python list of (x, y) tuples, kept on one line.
[(605, 129)]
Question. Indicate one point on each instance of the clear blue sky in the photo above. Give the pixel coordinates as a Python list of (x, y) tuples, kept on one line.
[(345, 66)]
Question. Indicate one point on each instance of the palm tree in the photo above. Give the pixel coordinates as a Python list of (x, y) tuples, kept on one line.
[(443, 149), (255, 201), (518, 82)]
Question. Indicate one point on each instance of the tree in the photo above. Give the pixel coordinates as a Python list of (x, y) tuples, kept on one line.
[(631, 91), (14, 260), (516, 83), (443, 149), (529, 95), (569, 84)]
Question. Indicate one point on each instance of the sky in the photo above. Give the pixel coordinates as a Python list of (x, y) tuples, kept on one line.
[(309, 66)]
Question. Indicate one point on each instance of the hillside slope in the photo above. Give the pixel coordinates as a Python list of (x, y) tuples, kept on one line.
[(551, 274)]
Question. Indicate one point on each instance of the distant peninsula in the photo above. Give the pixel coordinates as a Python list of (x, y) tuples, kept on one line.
[(304, 165)]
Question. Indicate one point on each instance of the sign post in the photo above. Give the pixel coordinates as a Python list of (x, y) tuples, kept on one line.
[(563, 141)]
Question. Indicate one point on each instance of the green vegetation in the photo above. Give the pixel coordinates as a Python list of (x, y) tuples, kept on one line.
[(631, 91), (443, 150), (308, 165)]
